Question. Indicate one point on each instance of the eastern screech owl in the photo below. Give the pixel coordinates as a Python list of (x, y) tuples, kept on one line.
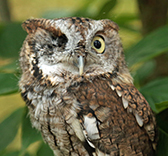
[(79, 91)]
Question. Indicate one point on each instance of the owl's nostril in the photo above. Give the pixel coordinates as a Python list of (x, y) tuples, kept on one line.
[(80, 56)]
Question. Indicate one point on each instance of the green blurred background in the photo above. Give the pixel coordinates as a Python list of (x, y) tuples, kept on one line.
[(144, 34)]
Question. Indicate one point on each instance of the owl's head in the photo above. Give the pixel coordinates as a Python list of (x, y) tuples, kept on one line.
[(70, 47)]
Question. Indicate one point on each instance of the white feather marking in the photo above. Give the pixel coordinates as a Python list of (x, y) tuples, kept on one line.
[(37, 111), (149, 127), (34, 102), (112, 87), (91, 127), (49, 69), (30, 95), (139, 120), (119, 93), (85, 134), (125, 102), (78, 130), (90, 143)]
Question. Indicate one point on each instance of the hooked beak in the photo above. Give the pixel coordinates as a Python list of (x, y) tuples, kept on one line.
[(80, 64)]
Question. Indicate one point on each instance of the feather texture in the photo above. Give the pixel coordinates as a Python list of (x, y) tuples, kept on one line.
[(79, 91)]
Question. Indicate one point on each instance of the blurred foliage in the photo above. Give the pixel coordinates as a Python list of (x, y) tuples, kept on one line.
[(140, 58)]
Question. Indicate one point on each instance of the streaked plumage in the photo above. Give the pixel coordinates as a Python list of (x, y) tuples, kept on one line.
[(79, 91)]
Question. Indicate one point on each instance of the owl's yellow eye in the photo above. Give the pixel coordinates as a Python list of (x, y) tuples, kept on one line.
[(98, 44)]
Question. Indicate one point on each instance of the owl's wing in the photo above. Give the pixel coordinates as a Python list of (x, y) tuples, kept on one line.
[(115, 117), (135, 103)]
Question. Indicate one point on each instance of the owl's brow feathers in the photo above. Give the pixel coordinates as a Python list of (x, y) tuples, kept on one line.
[(31, 25)]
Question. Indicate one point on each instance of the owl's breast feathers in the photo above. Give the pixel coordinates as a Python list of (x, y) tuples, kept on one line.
[(97, 115)]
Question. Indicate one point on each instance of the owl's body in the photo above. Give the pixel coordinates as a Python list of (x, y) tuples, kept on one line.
[(79, 91)]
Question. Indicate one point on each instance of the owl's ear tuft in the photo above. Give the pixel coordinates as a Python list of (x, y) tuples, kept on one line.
[(108, 24), (31, 25)]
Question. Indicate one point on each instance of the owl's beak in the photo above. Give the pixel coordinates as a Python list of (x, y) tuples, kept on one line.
[(80, 64)]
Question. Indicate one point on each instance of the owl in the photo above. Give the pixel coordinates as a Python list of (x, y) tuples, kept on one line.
[(79, 92)]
